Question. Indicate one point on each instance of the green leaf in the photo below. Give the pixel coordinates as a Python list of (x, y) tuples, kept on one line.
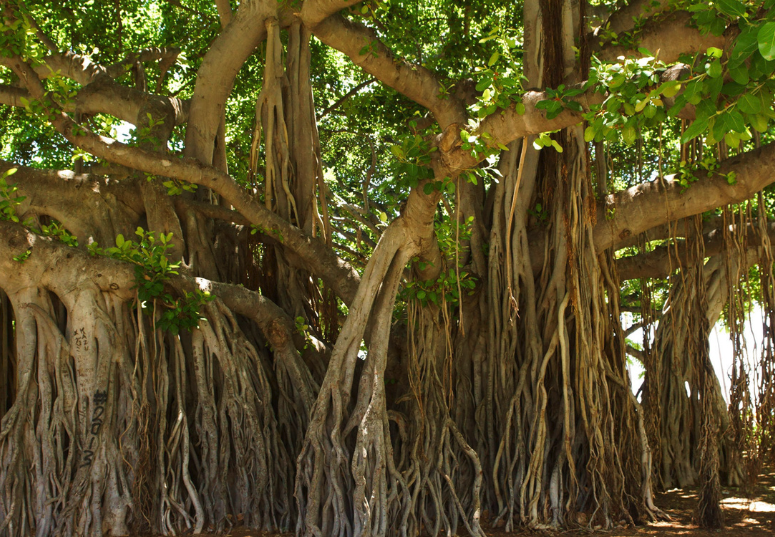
[(120, 240), (694, 130), (556, 146), (629, 134), (735, 121), (714, 52), (493, 58), (766, 40), (669, 89), (745, 45), (589, 134), (693, 91), (739, 74), (733, 8), (714, 70), (732, 139), (749, 104), (759, 122)]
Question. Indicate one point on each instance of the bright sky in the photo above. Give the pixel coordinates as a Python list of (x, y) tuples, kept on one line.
[(720, 351)]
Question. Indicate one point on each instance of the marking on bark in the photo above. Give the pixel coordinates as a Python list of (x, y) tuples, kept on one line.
[(99, 399), (81, 341), (625, 233)]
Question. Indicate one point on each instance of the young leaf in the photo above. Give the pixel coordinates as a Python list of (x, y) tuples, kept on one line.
[(694, 130), (749, 104), (733, 8), (766, 40)]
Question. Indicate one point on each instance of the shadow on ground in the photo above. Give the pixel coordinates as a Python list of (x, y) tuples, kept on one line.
[(746, 513)]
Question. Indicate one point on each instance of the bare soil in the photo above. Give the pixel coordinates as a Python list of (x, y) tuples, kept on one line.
[(746, 513)]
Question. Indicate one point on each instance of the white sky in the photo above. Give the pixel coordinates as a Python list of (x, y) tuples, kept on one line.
[(720, 351)]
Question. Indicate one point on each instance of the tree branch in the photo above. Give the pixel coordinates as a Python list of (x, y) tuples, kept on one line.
[(414, 81), (651, 204), (314, 12), (12, 96), (508, 125), (61, 269), (660, 262), (215, 78), (669, 35), (623, 19), (318, 258), (344, 97)]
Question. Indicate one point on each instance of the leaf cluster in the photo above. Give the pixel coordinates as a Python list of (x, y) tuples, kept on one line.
[(152, 271)]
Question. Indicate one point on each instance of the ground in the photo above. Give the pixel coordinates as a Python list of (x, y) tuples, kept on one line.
[(746, 514)]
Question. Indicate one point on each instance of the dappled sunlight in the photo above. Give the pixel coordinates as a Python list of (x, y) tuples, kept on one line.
[(753, 506)]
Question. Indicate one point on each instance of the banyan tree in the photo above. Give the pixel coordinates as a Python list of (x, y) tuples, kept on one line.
[(353, 268)]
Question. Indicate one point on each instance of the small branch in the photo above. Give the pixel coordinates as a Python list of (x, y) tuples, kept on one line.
[(344, 97)]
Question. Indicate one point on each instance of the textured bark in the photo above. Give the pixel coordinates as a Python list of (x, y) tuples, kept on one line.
[(507, 403)]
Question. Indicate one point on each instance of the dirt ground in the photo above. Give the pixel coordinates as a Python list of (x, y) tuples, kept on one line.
[(745, 514)]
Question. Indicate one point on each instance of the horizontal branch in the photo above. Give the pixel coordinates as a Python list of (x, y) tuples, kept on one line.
[(318, 257), (663, 260), (623, 19), (313, 12), (669, 36), (508, 125), (669, 230), (12, 96), (652, 203), (648, 205), (63, 269)]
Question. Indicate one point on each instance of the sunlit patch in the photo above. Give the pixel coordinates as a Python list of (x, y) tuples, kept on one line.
[(748, 505), (205, 285)]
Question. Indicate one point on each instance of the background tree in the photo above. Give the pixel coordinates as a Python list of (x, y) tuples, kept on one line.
[(359, 268)]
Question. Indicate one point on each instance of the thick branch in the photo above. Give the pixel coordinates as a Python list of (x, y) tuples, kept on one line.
[(651, 204), (660, 262), (12, 96), (414, 81), (623, 19), (313, 12), (508, 125), (670, 35), (215, 78), (670, 229), (63, 269), (318, 258)]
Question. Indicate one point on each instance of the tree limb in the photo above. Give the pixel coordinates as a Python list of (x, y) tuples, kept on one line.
[(414, 81), (660, 262), (344, 97), (12, 96), (669, 36), (651, 204), (314, 12), (215, 78)]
